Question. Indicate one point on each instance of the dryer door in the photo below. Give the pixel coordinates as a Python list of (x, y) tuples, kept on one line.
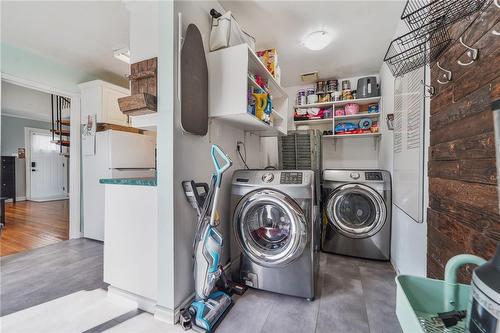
[(270, 227), (356, 210)]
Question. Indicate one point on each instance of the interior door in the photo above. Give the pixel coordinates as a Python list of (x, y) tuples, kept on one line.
[(47, 168), (270, 228)]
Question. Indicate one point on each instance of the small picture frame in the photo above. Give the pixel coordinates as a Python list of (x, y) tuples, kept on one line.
[(390, 121), (21, 152)]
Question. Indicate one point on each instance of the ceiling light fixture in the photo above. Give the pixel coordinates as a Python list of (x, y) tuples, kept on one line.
[(317, 40), (122, 54)]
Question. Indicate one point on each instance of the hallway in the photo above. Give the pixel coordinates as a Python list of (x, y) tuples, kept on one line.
[(30, 225)]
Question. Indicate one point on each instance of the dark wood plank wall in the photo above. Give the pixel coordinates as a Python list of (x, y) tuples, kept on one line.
[(463, 204)]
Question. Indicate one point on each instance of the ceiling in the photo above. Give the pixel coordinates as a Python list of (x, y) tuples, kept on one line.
[(78, 34), (23, 102), (362, 31)]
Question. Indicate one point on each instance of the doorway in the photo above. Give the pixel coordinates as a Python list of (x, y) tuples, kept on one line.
[(37, 207)]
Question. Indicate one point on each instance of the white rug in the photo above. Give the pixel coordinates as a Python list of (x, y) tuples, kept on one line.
[(77, 312), (145, 323)]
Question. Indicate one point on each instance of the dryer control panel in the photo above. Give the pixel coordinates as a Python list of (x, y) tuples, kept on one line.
[(373, 175), (291, 178)]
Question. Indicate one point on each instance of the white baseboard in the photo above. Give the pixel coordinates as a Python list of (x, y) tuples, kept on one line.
[(141, 302), (165, 314), (50, 199)]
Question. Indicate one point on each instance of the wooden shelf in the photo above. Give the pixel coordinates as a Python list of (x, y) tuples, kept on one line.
[(360, 101), (350, 136), (138, 104)]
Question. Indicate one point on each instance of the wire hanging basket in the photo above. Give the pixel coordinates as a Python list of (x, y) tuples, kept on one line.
[(415, 49), (429, 16)]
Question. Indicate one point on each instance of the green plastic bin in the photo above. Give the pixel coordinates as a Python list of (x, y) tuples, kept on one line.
[(419, 299)]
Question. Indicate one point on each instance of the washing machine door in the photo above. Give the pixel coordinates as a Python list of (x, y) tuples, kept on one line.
[(270, 228), (356, 210)]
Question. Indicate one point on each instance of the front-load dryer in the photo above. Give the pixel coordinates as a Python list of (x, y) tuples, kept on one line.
[(357, 213), (276, 227)]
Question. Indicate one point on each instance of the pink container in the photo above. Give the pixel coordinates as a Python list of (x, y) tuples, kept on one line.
[(339, 112), (351, 108)]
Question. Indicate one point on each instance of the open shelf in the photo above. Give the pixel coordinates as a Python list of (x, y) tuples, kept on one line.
[(360, 101), (343, 136), (229, 82), (314, 121), (357, 116)]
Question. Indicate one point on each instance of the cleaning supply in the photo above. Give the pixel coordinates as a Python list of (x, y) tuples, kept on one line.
[(209, 306), (365, 124), (345, 128), (261, 100)]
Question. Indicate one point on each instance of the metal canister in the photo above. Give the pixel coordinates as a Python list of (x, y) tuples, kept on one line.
[(301, 97), (332, 85), (310, 91), (346, 85), (320, 87)]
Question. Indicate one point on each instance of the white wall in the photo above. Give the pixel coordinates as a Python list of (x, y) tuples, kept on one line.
[(192, 162), (409, 239)]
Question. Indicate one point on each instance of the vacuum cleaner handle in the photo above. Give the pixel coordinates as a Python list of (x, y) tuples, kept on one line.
[(216, 151)]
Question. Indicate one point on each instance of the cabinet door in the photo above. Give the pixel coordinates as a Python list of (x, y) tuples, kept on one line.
[(111, 110)]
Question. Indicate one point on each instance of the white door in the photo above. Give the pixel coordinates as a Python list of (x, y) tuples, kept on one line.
[(47, 168)]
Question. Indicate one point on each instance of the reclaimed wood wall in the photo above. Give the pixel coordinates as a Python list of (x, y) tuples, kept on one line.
[(463, 212)]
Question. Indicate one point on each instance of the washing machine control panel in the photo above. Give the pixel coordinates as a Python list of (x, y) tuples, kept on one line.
[(373, 175), (291, 178)]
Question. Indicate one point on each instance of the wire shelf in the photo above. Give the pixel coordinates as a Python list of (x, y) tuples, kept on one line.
[(440, 13), (414, 49)]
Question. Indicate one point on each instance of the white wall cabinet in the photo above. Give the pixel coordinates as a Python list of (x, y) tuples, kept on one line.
[(228, 88), (101, 98)]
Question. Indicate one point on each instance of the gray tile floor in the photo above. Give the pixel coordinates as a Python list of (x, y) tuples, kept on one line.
[(354, 295), (41, 275)]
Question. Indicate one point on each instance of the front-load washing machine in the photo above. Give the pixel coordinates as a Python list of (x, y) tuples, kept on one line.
[(357, 213), (276, 230)]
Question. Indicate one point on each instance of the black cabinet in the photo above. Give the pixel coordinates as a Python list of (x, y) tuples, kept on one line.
[(8, 177)]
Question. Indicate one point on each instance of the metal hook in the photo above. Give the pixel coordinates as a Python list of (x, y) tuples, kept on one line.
[(430, 89), (447, 75), (472, 53)]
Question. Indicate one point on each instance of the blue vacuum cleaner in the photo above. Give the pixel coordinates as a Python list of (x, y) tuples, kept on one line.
[(209, 306)]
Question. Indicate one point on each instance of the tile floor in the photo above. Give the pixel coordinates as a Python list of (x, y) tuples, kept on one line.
[(354, 295)]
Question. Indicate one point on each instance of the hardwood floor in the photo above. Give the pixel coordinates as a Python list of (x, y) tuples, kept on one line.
[(30, 225)]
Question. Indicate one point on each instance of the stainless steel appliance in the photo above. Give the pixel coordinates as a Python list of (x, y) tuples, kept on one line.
[(276, 229), (484, 307), (357, 213), (367, 87)]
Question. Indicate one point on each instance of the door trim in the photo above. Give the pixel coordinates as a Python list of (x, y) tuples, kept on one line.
[(75, 171)]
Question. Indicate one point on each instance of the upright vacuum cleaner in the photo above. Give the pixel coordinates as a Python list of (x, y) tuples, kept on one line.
[(209, 306)]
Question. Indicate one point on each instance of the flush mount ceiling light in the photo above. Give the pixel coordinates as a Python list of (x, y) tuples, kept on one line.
[(317, 40), (122, 54)]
